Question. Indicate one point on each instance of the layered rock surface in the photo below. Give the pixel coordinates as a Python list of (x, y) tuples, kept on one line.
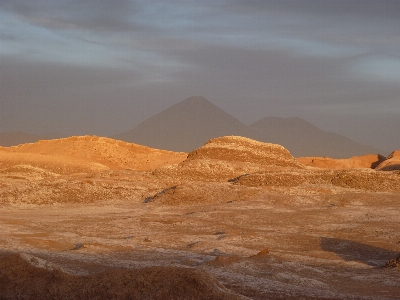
[(224, 158), (21, 275), (368, 161)]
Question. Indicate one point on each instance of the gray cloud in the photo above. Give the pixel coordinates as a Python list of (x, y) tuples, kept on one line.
[(356, 25), (70, 99), (94, 15), (364, 8), (103, 66)]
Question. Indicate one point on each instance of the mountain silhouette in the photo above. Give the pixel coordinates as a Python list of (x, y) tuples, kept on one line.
[(304, 139), (190, 123), (186, 126)]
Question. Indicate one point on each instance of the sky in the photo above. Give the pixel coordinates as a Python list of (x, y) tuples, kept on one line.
[(76, 67)]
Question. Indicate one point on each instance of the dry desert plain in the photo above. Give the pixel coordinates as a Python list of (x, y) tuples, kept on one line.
[(96, 218)]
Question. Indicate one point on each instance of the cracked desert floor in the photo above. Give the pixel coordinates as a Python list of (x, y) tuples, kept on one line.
[(95, 218)]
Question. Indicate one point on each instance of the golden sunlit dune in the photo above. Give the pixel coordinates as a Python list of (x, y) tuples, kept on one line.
[(224, 158), (87, 153)]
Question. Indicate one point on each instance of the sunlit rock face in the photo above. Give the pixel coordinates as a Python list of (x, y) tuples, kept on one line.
[(391, 163), (224, 158)]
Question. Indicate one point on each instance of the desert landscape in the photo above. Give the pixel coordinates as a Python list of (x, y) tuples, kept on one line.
[(199, 149), (89, 217)]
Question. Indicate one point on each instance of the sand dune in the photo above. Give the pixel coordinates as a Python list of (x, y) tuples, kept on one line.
[(368, 161), (224, 158), (87, 153)]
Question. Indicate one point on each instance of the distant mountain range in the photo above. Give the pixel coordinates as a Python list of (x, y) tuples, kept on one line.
[(190, 123), (302, 138)]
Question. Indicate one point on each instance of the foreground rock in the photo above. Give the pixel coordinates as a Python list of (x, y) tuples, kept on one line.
[(393, 263), (19, 279)]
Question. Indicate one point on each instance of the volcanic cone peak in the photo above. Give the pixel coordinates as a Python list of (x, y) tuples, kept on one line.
[(242, 149), (196, 100), (186, 126)]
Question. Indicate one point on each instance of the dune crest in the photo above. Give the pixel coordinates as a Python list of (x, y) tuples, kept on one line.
[(82, 153), (224, 158), (242, 149)]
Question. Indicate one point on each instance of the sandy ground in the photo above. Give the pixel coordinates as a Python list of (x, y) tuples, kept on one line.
[(247, 238)]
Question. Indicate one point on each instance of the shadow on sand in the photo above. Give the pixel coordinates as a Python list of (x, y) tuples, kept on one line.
[(391, 168), (354, 251), (381, 158)]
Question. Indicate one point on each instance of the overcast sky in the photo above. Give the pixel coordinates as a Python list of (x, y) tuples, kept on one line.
[(103, 66)]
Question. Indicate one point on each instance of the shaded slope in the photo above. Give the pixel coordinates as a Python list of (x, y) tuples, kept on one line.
[(186, 126), (21, 280), (304, 139)]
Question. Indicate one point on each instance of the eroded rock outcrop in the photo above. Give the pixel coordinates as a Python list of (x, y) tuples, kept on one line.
[(20, 279), (224, 158), (391, 163), (368, 161)]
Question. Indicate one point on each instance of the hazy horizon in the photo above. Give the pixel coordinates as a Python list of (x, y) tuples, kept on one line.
[(102, 67)]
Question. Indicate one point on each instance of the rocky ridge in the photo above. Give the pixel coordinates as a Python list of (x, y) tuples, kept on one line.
[(391, 163), (224, 158)]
